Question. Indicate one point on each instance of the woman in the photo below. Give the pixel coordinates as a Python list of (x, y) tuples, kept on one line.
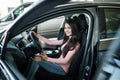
[(69, 46)]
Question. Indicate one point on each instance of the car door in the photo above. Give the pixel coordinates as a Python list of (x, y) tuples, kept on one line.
[(109, 45), (110, 22)]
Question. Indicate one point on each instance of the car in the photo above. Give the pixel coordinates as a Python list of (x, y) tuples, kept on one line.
[(18, 44), (12, 15)]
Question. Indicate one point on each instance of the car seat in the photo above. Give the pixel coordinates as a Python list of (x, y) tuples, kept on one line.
[(42, 74), (72, 74)]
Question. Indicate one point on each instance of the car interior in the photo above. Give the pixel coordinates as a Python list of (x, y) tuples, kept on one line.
[(21, 49)]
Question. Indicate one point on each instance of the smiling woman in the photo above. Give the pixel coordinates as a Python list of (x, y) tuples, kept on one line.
[(69, 46)]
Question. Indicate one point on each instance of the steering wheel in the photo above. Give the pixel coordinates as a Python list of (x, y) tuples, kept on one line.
[(35, 41)]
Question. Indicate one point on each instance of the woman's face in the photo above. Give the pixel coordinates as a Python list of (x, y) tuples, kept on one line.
[(68, 30)]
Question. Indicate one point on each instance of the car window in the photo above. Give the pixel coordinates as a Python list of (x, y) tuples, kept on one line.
[(109, 24), (19, 10), (112, 23), (50, 28)]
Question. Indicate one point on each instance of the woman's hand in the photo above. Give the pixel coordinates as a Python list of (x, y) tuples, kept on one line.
[(37, 57), (34, 33), (44, 56)]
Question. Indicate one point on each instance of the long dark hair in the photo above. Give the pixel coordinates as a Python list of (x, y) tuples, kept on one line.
[(74, 39)]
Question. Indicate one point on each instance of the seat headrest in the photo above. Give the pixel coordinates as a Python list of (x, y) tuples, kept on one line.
[(82, 23)]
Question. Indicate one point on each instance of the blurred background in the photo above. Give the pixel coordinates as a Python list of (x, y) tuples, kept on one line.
[(7, 5)]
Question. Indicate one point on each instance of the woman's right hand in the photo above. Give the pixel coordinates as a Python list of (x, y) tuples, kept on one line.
[(44, 56)]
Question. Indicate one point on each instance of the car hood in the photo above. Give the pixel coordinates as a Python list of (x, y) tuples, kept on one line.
[(4, 24)]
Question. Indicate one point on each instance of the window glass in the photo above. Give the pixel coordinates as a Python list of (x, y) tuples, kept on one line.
[(112, 23), (109, 24), (20, 10), (50, 28)]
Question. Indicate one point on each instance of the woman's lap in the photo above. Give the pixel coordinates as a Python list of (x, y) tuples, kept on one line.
[(52, 67)]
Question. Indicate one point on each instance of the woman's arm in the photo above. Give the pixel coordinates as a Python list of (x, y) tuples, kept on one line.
[(66, 59), (47, 41)]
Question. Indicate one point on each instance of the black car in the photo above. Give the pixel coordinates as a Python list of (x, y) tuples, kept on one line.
[(47, 17)]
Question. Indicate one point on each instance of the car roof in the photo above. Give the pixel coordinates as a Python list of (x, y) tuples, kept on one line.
[(41, 7), (94, 3)]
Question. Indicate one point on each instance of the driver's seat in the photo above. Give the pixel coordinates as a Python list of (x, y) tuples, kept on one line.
[(72, 74), (42, 74)]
